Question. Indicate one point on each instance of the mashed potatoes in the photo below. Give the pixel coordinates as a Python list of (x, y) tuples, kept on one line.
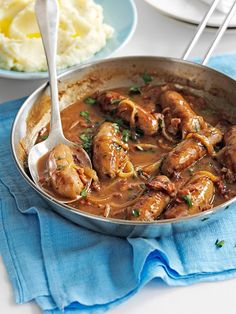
[(81, 34)]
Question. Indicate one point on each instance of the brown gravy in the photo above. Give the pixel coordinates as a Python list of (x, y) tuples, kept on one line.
[(80, 123)]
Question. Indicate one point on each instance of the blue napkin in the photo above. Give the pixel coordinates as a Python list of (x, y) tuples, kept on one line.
[(68, 269)]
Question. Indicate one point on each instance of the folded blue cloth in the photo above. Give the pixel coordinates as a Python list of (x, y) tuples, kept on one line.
[(68, 269)]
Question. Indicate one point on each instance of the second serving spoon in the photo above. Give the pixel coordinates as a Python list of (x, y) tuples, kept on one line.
[(47, 18)]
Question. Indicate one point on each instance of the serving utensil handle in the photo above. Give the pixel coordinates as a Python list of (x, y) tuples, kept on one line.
[(218, 35), (47, 17)]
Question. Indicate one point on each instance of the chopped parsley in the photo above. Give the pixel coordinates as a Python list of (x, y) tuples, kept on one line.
[(134, 90), (84, 193), (113, 112), (136, 134), (115, 101), (126, 135), (147, 78), (191, 171), (139, 131), (135, 212), (219, 243), (90, 101), (86, 138), (116, 127), (85, 115), (187, 199), (44, 137), (120, 122)]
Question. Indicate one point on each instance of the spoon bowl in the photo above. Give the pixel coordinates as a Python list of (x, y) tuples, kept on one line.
[(47, 18), (41, 149)]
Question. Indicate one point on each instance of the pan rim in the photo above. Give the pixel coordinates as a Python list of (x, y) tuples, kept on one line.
[(201, 215)]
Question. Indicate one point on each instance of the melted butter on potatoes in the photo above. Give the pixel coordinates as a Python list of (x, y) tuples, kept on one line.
[(81, 34)]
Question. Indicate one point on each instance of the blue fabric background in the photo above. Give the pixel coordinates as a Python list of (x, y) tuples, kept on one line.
[(63, 266)]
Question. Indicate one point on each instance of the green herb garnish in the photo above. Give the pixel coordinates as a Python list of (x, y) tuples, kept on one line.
[(120, 122), (44, 137), (187, 199), (191, 171), (134, 90), (84, 193), (90, 101), (147, 78), (139, 131), (142, 186), (135, 212), (219, 243), (113, 112), (86, 139), (61, 167), (85, 115), (116, 127), (126, 135), (115, 101)]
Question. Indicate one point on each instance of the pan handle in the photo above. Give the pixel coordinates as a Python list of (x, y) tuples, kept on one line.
[(218, 35)]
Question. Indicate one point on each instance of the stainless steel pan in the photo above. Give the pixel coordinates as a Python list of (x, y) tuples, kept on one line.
[(218, 88), (74, 85)]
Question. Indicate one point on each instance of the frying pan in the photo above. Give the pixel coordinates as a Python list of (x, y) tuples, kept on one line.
[(74, 85)]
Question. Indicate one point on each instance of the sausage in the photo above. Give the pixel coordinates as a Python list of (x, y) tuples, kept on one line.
[(129, 111), (227, 156), (109, 151), (196, 196), (108, 101), (178, 108), (190, 150), (152, 204), (138, 117), (64, 178)]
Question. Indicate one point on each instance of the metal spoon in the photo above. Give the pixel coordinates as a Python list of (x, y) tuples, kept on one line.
[(47, 18)]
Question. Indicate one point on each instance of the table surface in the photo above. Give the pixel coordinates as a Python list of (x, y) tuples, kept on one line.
[(162, 36)]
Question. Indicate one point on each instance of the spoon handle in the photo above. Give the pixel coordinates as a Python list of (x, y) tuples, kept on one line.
[(47, 17)]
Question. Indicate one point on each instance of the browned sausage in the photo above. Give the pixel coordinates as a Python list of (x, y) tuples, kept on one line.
[(196, 196), (129, 111), (190, 150), (64, 177), (137, 116), (109, 151), (227, 156), (151, 204), (177, 107)]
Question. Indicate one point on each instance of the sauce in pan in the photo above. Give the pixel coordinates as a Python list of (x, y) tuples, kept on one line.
[(156, 153)]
